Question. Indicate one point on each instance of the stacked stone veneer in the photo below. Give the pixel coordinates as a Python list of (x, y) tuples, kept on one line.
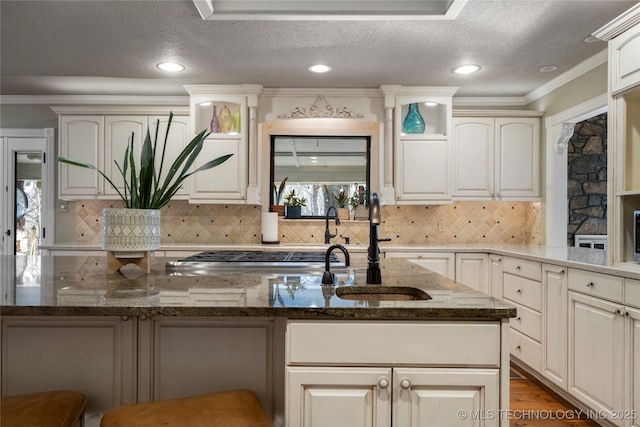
[(587, 178), (462, 222)]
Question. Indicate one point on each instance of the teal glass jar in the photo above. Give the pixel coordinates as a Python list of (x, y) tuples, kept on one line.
[(413, 122)]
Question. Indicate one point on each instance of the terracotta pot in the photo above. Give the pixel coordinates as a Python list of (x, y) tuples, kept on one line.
[(278, 208), (343, 214)]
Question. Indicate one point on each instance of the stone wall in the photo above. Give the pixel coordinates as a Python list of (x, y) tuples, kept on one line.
[(587, 178)]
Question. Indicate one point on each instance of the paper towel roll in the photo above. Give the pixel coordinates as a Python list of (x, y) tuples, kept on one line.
[(269, 227)]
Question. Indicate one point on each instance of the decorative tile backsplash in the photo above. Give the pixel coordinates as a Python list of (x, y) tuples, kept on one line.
[(460, 222)]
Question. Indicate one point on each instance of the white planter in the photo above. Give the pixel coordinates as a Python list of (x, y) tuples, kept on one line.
[(130, 230)]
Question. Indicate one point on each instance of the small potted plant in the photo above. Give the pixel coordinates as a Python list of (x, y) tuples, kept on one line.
[(360, 203), (342, 202), (277, 197), (294, 204)]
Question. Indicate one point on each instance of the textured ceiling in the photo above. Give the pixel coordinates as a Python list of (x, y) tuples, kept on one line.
[(112, 47)]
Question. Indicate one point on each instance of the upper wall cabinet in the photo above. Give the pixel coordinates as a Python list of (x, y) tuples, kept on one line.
[(422, 152), (623, 165), (101, 138), (229, 114), (496, 158)]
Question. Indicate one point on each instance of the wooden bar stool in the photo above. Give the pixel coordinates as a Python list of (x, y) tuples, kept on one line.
[(233, 408), (46, 409)]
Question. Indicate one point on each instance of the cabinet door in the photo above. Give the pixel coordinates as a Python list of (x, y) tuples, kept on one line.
[(81, 139), (422, 170), (118, 132), (596, 352), (332, 397), (95, 355), (473, 164), (517, 157), (624, 60), (445, 397), (495, 276), (227, 181), (178, 138), (554, 320), (473, 270)]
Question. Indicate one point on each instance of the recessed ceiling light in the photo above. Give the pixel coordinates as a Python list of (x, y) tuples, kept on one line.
[(548, 69), (171, 67), (591, 39), (466, 69), (320, 68)]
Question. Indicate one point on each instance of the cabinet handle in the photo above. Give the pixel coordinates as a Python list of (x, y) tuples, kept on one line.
[(405, 383), (590, 284), (383, 382)]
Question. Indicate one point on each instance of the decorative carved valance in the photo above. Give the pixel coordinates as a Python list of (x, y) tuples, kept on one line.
[(320, 108)]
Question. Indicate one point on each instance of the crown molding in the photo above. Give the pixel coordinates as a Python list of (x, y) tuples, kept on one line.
[(497, 113), (564, 78), (95, 100), (505, 101), (620, 24), (314, 92), (132, 110)]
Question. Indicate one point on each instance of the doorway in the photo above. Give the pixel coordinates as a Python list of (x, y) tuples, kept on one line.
[(28, 183)]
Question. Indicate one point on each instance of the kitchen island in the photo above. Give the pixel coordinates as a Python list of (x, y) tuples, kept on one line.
[(281, 333)]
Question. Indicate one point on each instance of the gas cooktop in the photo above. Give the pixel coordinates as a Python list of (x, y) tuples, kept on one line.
[(217, 260)]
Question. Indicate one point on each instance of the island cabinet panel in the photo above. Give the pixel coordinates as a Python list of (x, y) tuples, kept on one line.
[(183, 357), (473, 270), (394, 373), (96, 355)]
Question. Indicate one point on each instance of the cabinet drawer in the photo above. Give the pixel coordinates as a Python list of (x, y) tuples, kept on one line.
[(361, 343), (522, 291), (522, 267), (527, 321), (525, 349), (632, 292), (596, 284)]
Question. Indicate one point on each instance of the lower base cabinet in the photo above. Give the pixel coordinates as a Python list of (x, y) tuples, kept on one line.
[(384, 397)]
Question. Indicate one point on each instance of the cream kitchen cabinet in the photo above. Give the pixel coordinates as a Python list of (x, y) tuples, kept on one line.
[(101, 140), (383, 376), (496, 158), (596, 355), (522, 287), (632, 367), (554, 320), (441, 263), (624, 60), (422, 161), (495, 276), (234, 181), (472, 269)]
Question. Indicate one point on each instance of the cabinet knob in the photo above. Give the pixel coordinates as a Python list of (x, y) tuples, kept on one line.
[(405, 383), (518, 319), (519, 291), (561, 271), (383, 382), (124, 318), (518, 268), (518, 347), (590, 284)]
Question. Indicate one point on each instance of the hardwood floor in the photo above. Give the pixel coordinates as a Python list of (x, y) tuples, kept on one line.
[(533, 405)]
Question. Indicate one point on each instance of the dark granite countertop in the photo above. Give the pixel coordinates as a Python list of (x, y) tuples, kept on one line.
[(81, 286)]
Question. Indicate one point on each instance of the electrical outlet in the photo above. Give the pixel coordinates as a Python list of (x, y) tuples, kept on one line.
[(441, 225)]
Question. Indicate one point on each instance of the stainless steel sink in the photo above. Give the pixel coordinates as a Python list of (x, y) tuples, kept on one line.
[(381, 293)]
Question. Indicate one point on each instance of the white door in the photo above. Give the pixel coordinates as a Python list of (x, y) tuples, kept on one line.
[(27, 181), (473, 270), (517, 157), (473, 165), (178, 138), (118, 133)]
